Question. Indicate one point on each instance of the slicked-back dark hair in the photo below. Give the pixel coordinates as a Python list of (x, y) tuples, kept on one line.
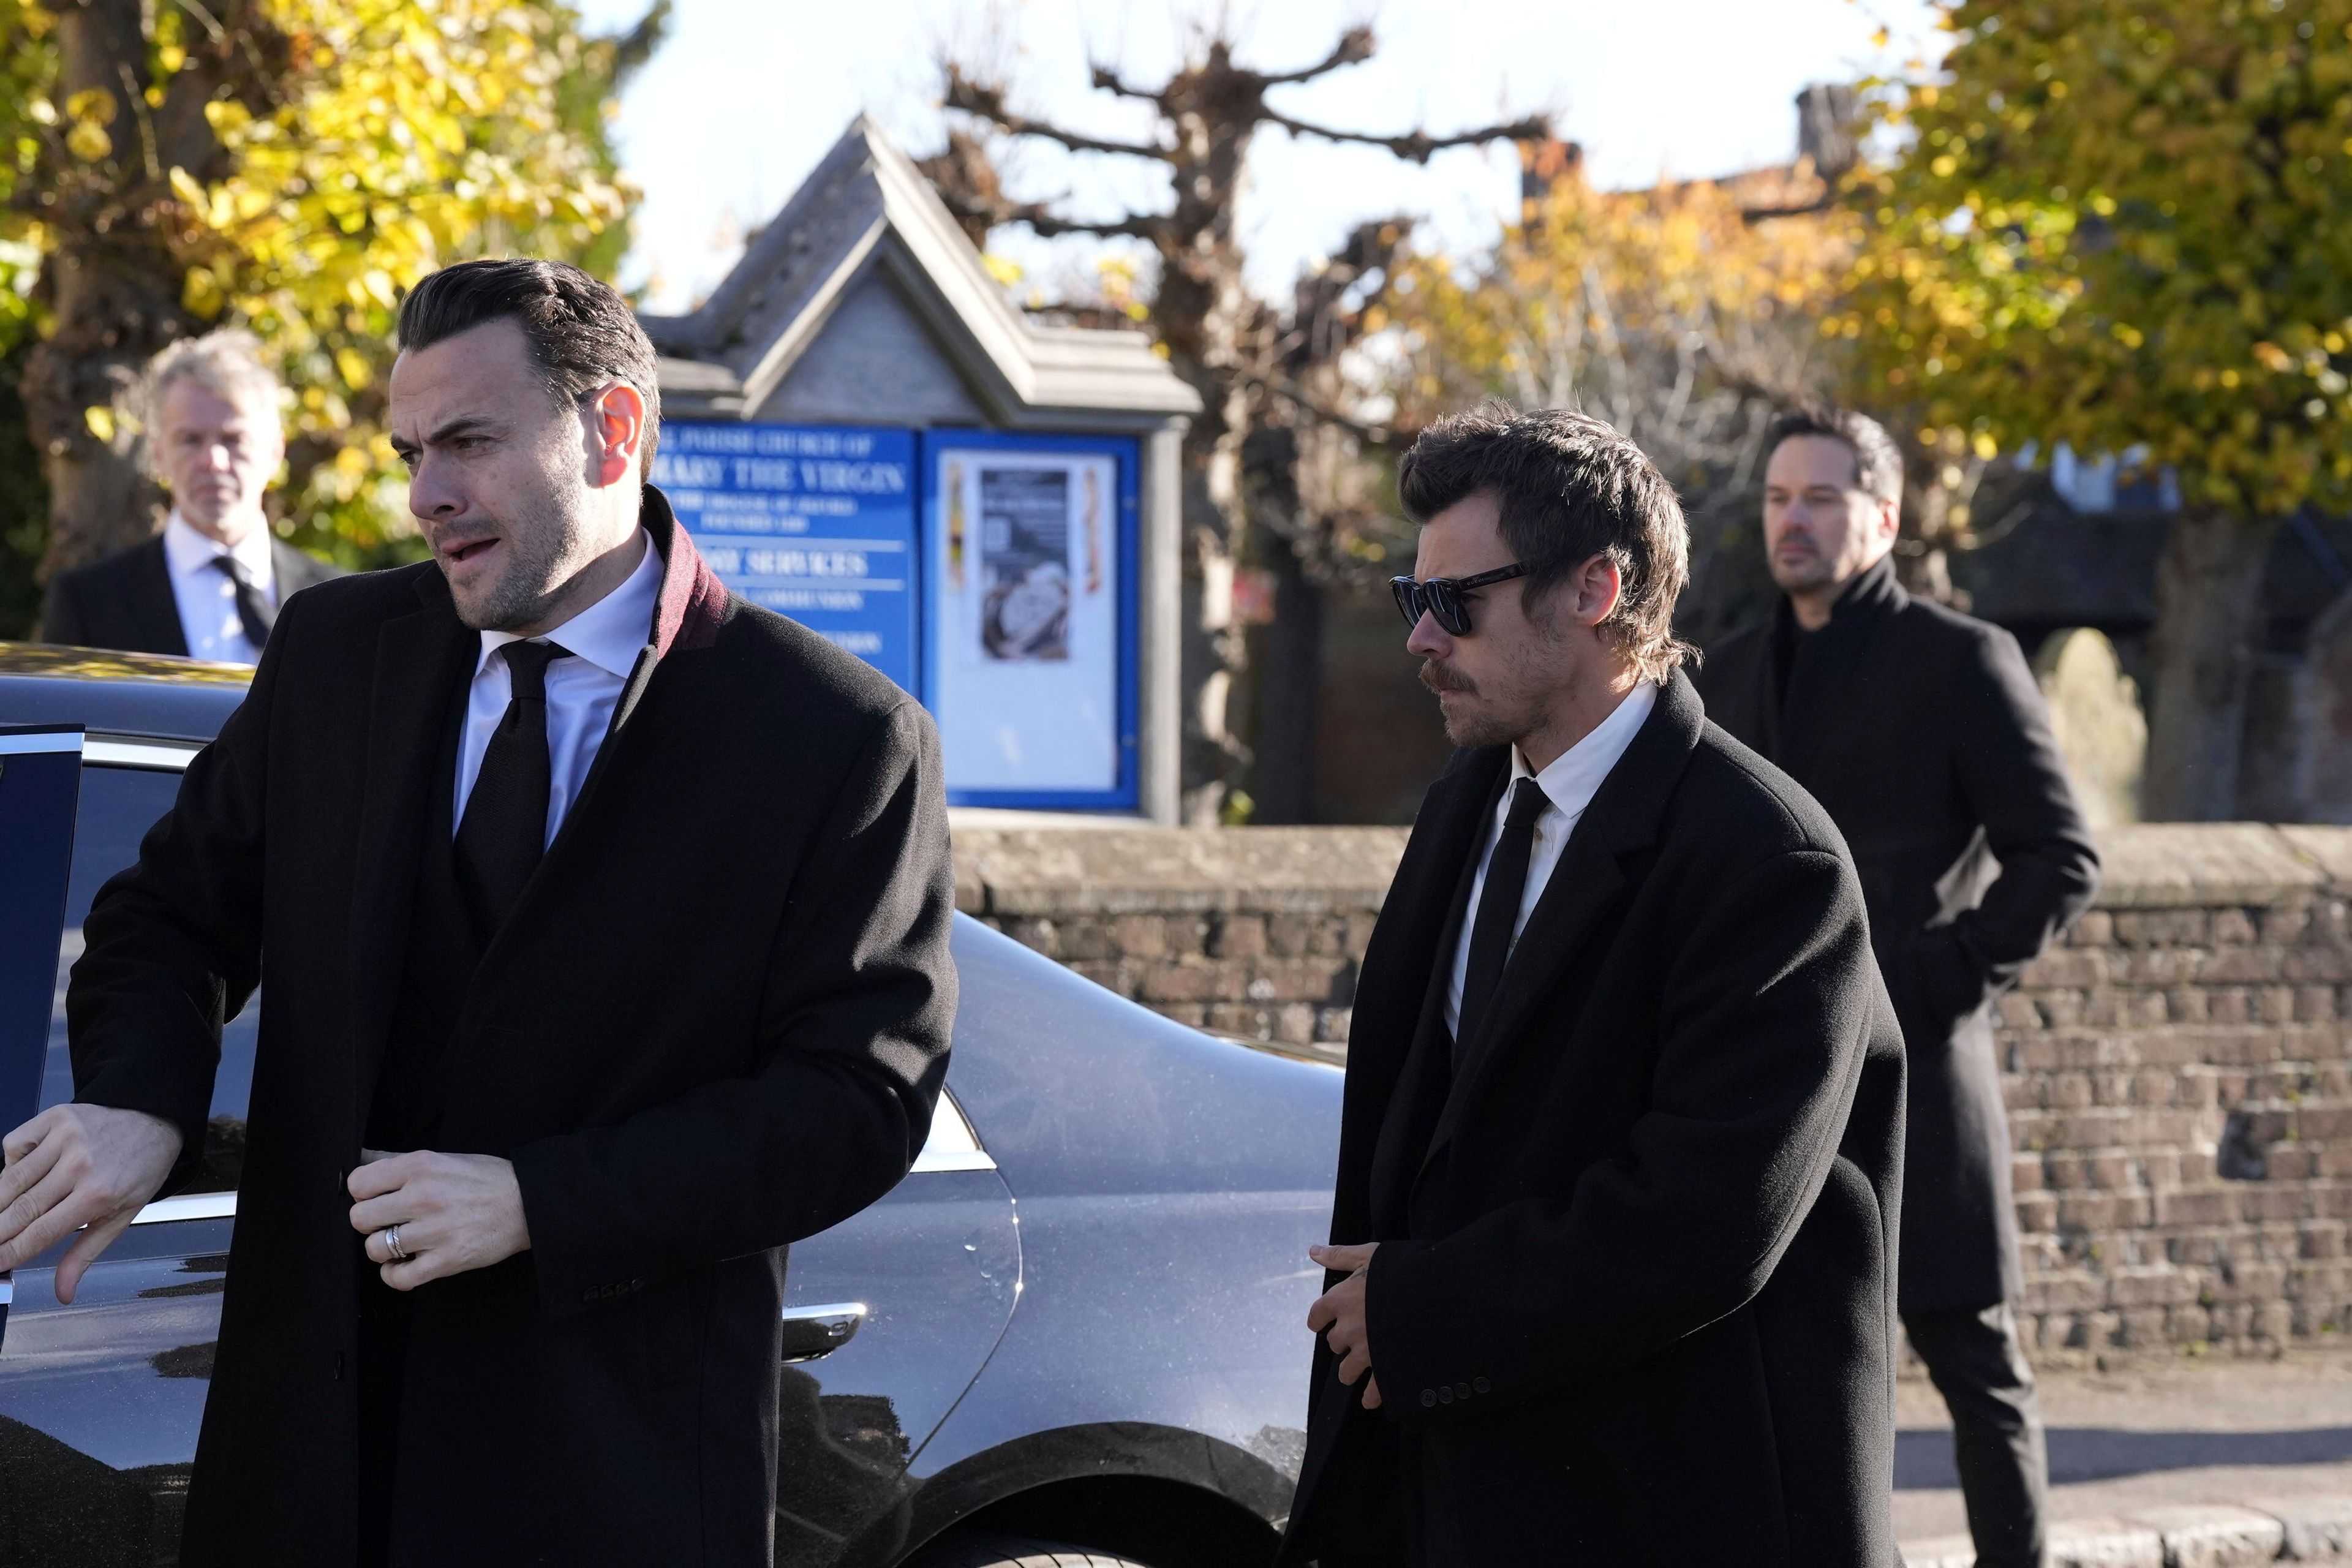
[(580, 333), (1571, 488), (1877, 461)]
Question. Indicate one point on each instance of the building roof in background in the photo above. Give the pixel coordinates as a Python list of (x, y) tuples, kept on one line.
[(866, 208)]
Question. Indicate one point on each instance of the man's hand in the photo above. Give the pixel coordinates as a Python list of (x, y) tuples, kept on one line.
[(74, 1166), (456, 1213), (1338, 1315)]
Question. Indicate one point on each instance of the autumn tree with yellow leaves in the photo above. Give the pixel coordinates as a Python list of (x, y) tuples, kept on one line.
[(2128, 226), (292, 165)]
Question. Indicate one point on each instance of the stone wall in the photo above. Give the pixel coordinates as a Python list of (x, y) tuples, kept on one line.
[(2178, 1071)]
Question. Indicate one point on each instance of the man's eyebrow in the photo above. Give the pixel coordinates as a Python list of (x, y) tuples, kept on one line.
[(464, 425)]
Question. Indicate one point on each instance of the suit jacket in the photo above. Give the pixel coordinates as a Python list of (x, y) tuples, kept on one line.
[(1633, 1301), (125, 600), (1922, 733), (716, 1023)]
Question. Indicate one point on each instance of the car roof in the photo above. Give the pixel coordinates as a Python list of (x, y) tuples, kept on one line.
[(119, 693)]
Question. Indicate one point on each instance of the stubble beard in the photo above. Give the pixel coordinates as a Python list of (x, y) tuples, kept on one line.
[(1483, 725), (519, 595)]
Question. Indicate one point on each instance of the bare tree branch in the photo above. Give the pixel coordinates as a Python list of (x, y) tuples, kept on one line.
[(1108, 80), (1354, 47), (988, 102), (1416, 146), (1041, 217)]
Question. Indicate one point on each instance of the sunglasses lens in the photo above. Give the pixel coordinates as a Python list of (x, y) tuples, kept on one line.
[(1447, 607), (1406, 599)]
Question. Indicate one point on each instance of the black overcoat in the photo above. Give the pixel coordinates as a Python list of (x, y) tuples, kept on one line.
[(125, 602), (1633, 1301), (716, 1023), (1922, 733)]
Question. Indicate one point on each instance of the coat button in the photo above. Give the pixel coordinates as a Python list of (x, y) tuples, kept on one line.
[(1462, 1390), (1428, 1398), (1446, 1395), (1480, 1385)]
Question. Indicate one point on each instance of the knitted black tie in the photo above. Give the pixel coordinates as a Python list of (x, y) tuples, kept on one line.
[(504, 832), (256, 614), (1498, 906)]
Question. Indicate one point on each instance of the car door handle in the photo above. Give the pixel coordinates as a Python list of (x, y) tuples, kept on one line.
[(814, 1332)]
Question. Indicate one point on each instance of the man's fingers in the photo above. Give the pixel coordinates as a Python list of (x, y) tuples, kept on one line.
[(51, 1212), (22, 1139), (26, 1167), (370, 1156), (85, 1251), (1354, 1364), (1323, 1313), (1371, 1393), (392, 1208), (1345, 1259), (382, 1173)]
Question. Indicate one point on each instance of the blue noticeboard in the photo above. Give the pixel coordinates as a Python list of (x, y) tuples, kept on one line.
[(816, 523)]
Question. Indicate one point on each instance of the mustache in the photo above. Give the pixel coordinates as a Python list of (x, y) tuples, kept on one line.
[(1440, 675)]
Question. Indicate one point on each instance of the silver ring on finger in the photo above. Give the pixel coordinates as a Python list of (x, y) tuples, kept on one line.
[(392, 1245)]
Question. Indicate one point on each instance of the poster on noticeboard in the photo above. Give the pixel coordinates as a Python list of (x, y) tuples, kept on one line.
[(1032, 617)]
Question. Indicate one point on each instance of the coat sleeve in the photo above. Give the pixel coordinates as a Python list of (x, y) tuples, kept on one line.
[(1768, 1008), (2013, 781), (861, 996), (61, 616), (172, 947)]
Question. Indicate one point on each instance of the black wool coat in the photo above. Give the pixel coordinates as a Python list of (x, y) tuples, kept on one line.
[(716, 1023), (1633, 1301), (125, 602), (1922, 733)]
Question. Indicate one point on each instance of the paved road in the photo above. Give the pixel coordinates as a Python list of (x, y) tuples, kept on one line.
[(2185, 1431)]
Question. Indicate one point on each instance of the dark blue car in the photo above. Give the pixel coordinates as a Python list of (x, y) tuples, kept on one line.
[(1076, 1324)]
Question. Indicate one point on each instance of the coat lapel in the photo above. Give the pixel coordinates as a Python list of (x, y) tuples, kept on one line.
[(1623, 818), (421, 661), (158, 606), (1827, 664)]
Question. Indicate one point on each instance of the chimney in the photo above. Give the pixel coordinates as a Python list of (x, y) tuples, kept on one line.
[(1825, 117)]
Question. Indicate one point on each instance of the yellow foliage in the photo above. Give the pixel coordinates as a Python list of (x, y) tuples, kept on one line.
[(2113, 225)]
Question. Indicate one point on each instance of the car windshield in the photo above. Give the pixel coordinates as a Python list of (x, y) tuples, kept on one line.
[(118, 806)]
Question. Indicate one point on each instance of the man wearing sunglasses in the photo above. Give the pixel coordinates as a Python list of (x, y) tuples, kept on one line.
[(1612, 1272), (1922, 734)]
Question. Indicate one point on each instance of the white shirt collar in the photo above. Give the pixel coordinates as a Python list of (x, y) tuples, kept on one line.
[(1574, 776), (188, 551), (611, 631)]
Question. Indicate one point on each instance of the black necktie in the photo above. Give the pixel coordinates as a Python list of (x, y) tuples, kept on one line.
[(1498, 905), (504, 832), (256, 614)]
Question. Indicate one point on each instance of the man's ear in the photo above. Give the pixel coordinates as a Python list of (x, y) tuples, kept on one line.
[(1596, 587), (616, 432)]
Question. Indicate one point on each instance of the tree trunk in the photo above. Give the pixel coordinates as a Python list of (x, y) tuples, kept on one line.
[(2208, 582), (113, 290)]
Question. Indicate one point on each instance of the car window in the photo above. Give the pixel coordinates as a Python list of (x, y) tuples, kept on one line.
[(118, 806)]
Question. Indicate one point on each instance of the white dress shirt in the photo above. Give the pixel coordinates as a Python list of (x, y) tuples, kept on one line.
[(604, 640), (205, 596), (1569, 784)]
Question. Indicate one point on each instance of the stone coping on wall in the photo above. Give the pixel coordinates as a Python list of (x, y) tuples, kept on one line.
[(1014, 872)]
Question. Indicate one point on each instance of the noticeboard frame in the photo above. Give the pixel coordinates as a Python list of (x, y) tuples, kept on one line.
[(1125, 455)]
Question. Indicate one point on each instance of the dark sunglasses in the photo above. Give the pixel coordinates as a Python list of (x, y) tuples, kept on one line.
[(1448, 598)]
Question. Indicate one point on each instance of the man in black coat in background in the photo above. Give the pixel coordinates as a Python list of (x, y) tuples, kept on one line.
[(1922, 733), (606, 920), (1613, 1262)]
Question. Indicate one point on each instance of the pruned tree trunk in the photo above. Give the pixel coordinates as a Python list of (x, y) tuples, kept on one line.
[(112, 290), (2208, 581)]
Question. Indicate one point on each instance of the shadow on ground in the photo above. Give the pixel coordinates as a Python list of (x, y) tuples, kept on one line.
[(1923, 1459)]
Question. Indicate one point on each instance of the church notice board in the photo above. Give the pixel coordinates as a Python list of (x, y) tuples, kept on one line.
[(993, 576)]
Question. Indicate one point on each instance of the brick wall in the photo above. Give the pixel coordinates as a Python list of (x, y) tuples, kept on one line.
[(2178, 1071)]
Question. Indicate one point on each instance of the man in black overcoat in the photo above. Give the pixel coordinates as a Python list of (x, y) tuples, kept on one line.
[(589, 991), (1923, 735), (1612, 1269), (209, 585)]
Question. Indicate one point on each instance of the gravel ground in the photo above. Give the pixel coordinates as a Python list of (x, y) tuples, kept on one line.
[(2147, 1433)]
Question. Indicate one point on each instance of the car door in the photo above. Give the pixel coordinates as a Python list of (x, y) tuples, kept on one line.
[(889, 1316)]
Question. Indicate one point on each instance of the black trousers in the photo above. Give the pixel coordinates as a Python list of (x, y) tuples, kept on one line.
[(1976, 1363)]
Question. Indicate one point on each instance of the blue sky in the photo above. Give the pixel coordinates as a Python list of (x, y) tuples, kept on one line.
[(747, 94)]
